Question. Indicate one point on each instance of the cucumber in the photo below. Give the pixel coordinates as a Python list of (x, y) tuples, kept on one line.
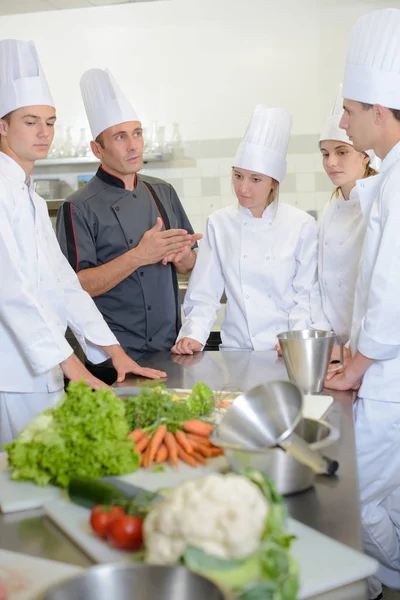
[(90, 492)]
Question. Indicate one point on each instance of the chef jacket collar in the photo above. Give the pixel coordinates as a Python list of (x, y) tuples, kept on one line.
[(12, 170), (269, 212), (110, 179), (390, 159)]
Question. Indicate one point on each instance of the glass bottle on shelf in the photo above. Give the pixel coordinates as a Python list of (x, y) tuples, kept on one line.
[(69, 146), (176, 144), (83, 148), (161, 138), (154, 147)]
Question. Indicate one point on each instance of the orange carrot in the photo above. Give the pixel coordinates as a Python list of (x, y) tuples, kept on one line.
[(156, 441), (143, 457), (172, 447), (200, 459), (184, 442), (136, 435), (143, 443), (216, 451), (198, 427), (186, 457), (162, 454), (199, 439), (203, 450), (223, 404)]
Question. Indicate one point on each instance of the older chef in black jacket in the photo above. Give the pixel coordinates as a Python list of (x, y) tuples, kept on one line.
[(126, 235)]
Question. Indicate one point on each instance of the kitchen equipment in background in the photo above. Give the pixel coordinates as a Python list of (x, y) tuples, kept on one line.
[(82, 179), (266, 416), (48, 189), (83, 147), (150, 582), (175, 146), (154, 145), (307, 354), (289, 476)]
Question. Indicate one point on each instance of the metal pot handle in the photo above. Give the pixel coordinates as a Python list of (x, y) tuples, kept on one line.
[(341, 364)]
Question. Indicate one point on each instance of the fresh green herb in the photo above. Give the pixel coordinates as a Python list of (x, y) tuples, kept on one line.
[(155, 405), (158, 469), (85, 435)]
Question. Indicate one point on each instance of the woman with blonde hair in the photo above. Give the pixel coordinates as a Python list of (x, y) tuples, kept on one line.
[(342, 227), (262, 253)]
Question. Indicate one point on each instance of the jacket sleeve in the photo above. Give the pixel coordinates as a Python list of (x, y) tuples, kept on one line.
[(83, 316), (319, 320), (305, 277), (76, 237), (380, 332), (40, 342), (206, 286)]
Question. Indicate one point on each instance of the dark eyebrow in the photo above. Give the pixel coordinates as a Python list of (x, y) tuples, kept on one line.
[(125, 131), (53, 118)]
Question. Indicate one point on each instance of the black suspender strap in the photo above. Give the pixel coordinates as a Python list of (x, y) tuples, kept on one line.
[(167, 225)]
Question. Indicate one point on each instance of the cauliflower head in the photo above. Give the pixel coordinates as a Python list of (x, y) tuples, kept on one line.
[(223, 515)]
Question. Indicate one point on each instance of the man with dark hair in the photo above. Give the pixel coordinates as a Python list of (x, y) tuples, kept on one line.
[(126, 235)]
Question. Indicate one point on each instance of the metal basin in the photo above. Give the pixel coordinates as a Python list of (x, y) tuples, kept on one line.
[(287, 473), (136, 582)]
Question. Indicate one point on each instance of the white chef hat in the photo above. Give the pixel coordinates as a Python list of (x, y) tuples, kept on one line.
[(372, 72), (105, 103), (331, 129), (265, 142), (22, 81)]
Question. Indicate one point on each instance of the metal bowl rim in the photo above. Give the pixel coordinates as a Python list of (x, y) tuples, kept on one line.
[(332, 437)]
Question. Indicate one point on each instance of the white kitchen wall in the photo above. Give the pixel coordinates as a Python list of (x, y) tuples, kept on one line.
[(206, 64)]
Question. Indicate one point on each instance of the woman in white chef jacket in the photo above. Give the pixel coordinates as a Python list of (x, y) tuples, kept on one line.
[(262, 253), (342, 228)]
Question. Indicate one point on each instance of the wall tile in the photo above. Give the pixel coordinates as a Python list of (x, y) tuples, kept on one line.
[(210, 186), (228, 201), (323, 183), (303, 144), (306, 201), (304, 163), (291, 163), (177, 184), (192, 187), (288, 198), (193, 205), (210, 205), (289, 183), (209, 167), (305, 182), (226, 186)]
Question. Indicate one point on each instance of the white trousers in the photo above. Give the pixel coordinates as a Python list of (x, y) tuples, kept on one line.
[(17, 410), (377, 431)]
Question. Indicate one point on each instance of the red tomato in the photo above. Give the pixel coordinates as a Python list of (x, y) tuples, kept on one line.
[(102, 516), (126, 533)]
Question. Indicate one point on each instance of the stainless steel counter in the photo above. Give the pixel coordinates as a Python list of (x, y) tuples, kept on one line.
[(331, 506)]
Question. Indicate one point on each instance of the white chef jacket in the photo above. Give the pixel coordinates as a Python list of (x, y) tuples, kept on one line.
[(341, 237), (266, 266), (40, 293), (376, 318)]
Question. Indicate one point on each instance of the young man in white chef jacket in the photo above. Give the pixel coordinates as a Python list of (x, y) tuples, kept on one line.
[(40, 294), (371, 119)]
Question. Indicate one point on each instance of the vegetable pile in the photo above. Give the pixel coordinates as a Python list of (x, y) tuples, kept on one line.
[(167, 429), (85, 434), (230, 528)]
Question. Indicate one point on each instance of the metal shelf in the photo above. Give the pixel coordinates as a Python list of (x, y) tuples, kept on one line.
[(87, 160)]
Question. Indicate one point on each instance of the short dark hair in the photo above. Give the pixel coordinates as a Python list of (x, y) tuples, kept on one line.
[(100, 140), (395, 111)]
